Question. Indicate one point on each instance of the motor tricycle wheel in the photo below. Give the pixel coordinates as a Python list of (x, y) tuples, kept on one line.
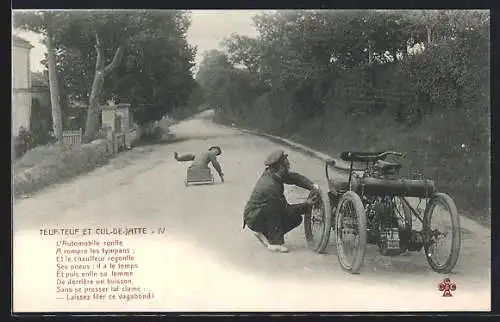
[(351, 235), (318, 223), (433, 236)]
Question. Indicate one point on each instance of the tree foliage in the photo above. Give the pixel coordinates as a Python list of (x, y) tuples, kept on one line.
[(312, 62), (140, 57), (334, 79), (155, 73)]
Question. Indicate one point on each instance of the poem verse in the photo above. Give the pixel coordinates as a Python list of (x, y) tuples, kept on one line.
[(99, 270)]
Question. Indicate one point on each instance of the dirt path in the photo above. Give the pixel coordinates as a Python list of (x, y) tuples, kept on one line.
[(205, 261)]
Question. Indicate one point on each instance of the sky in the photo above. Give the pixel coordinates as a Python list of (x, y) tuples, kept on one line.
[(208, 29)]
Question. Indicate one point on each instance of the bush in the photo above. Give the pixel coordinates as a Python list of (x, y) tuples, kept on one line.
[(23, 142), (27, 140), (153, 132)]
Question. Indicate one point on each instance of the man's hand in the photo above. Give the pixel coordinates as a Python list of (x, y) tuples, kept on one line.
[(314, 197), (222, 177)]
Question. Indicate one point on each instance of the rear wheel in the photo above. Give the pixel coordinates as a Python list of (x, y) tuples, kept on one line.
[(351, 235), (442, 233), (318, 223)]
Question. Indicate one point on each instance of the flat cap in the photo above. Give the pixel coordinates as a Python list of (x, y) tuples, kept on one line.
[(216, 148), (275, 157)]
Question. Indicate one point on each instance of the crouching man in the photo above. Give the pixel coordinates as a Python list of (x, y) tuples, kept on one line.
[(267, 212)]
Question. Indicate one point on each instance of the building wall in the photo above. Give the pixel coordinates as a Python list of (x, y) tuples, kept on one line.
[(42, 94), (108, 118), (21, 81)]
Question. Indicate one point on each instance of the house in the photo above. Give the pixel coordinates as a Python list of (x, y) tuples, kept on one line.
[(40, 89), (21, 84)]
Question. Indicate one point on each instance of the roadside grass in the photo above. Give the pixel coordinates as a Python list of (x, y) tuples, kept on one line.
[(48, 164), (446, 147), (450, 147)]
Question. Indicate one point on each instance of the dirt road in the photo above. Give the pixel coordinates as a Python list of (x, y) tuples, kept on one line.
[(204, 261)]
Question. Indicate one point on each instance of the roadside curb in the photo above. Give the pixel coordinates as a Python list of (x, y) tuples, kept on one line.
[(292, 144)]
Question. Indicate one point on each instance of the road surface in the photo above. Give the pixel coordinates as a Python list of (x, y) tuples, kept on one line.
[(204, 261)]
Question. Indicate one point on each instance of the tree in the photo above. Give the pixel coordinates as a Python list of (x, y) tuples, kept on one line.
[(140, 57), (214, 77), (243, 51), (156, 76), (101, 29), (48, 24)]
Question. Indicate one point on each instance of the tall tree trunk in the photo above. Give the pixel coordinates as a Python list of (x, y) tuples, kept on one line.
[(54, 88), (429, 34), (94, 108), (97, 87)]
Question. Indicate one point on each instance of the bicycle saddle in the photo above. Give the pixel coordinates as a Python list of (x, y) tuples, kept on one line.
[(360, 156), (387, 166)]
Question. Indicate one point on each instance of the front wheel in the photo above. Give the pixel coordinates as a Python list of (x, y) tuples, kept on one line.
[(318, 223), (351, 235), (442, 233)]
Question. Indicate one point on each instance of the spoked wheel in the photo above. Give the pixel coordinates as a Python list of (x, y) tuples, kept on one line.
[(350, 228), (318, 223), (403, 213), (442, 233)]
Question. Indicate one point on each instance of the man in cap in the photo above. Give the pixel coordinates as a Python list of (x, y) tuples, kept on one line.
[(203, 159), (267, 212)]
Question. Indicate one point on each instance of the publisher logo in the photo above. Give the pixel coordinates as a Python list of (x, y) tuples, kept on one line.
[(447, 286)]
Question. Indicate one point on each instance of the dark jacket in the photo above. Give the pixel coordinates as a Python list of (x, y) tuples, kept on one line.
[(269, 191), (201, 160)]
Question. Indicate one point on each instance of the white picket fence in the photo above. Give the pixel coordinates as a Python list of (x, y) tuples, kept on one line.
[(116, 141), (72, 137)]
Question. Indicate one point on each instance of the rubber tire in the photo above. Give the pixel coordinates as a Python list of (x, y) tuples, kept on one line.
[(456, 239), (361, 218), (320, 245)]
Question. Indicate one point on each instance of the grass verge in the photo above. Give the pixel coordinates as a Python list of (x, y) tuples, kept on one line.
[(450, 147), (45, 165)]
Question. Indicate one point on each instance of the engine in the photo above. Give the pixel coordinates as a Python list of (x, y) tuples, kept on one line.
[(385, 231), (411, 240), (381, 221)]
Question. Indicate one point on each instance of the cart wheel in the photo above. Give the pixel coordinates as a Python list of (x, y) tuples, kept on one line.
[(350, 228), (441, 223), (318, 223)]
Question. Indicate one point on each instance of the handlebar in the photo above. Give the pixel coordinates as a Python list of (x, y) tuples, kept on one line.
[(329, 162), (394, 153)]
